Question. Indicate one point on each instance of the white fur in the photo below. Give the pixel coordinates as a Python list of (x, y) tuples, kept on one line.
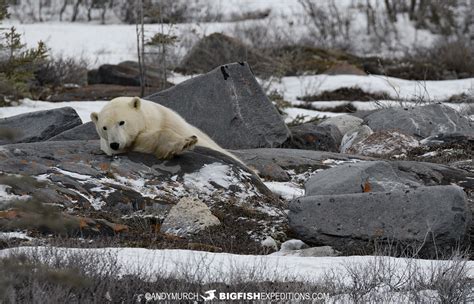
[(149, 128)]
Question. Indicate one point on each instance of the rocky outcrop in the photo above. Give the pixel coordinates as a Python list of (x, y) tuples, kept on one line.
[(37, 126), (81, 183), (229, 105), (402, 202)]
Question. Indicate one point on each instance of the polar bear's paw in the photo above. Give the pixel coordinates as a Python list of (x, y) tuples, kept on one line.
[(178, 147)]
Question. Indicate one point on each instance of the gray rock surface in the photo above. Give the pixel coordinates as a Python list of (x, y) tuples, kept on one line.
[(273, 163), (405, 216), (85, 131), (309, 136), (345, 123), (38, 126), (374, 176), (76, 176), (188, 216), (421, 121), (229, 105)]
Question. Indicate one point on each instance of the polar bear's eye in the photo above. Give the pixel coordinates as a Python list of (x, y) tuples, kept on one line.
[(105, 128), (122, 123)]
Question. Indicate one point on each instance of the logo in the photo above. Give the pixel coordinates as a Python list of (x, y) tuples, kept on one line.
[(210, 295)]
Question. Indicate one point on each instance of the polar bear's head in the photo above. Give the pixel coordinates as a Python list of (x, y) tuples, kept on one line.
[(119, 123)]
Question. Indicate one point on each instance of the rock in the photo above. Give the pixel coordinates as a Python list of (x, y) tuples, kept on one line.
[(407, 216), (353, 137), (449, 139), (99, 92), (374, 176), (219, 49), (188, 216), (420, 121), (293, 245), (321, 251), (229, 105), (309, 136), (344, 123), (126, 73), (344, 68), (384, 143), (85, 131), (38, 126), (270, 243), (75, 176), (272, 164)]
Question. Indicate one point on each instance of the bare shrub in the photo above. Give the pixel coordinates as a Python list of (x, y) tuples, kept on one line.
[(329, 26), (61, 71)]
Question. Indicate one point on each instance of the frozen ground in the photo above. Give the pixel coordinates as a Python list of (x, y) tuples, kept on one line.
[(207, 266)]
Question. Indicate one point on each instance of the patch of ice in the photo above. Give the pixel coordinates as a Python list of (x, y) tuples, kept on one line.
[(209, 176), (6, 197), (287, 190), (74, 174)]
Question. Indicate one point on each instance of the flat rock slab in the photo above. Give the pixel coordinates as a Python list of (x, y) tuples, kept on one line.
[(407, 216), (380, 176), (229, 105), (273, 163), (421, 121), (38, 126), (374, 176)]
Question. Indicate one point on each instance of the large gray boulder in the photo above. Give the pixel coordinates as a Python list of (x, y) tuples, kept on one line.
[(229, 105), (415, 216), (37, 126), (421, 121)]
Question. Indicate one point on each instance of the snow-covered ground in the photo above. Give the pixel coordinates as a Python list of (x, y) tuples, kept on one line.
[(113, 43), (440, 90), (208, 267), (293, 87)]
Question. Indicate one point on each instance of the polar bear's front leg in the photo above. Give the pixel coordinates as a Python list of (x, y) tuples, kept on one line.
[(171, 144), (164, 144)]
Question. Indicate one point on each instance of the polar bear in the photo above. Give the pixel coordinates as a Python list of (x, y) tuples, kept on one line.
[(134, 124)]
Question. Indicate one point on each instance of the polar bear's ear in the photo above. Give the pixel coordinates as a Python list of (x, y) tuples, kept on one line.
[(94, 117), (135, 103)]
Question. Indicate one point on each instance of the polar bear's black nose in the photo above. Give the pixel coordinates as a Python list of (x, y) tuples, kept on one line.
[(114, 146)]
